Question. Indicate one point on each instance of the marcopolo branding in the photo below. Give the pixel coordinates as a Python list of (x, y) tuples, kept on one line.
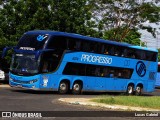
[(94, 59)]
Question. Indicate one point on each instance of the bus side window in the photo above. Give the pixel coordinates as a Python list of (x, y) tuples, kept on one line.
[(154, 56), (106, 49), (131, 53), (92, 46), (45, 67), (138, 56), (74, 69), (99, 48), (78, 45), (105, 72), (97, 71), (71, 43), (102, 49), (85, 46), (143, 55), (111, 51), (124, 53), (158, 70), (117, 51)]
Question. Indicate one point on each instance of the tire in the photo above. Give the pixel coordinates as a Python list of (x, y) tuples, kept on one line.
[(138, 90), (77, 88), (130, 90), (63, 87)]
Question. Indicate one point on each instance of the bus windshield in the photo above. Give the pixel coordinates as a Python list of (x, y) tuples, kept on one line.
[(24, 64)]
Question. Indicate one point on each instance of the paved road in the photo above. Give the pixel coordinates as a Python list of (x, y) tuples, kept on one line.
[(12, 99)]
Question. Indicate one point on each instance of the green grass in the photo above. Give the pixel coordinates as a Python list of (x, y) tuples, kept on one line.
[(136, 101)]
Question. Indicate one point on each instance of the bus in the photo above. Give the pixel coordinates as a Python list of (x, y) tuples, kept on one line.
[(157, 84), (68, 62)]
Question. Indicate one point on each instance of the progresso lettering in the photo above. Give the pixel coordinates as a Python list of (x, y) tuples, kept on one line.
[(27, 48), (96, 59)]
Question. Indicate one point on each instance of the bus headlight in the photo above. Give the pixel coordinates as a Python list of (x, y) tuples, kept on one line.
[(11, 79), (33, 81)]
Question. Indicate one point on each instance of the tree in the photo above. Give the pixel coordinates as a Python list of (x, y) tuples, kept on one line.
[(19, 16), (73, 16), (122, 16), (132, 37)]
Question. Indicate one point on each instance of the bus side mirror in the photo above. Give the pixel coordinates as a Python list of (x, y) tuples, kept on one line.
[(5, 51)]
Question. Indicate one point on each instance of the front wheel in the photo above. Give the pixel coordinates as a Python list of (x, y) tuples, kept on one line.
[(77, 88), (138, 90), (63, 87), (130, 90)]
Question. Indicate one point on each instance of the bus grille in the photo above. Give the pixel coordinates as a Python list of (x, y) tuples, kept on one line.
[(22, 82), (152, 75)]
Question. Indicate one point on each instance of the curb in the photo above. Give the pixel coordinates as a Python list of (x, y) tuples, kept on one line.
[(88, 102), (4, 86)]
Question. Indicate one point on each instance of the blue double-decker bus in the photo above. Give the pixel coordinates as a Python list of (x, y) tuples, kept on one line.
[(63, 62)]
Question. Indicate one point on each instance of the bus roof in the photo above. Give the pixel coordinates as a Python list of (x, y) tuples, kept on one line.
[(56, 33)]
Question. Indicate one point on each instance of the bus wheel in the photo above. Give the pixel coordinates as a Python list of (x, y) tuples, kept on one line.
[(138, 90), (77, 88), (130, 90), (63, 87)]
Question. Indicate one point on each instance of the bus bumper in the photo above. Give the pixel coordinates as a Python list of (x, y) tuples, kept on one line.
[(24, 82)]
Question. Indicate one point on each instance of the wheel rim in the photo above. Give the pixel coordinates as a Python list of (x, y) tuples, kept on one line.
[(130, 90), (138, 90), (63, 86), (76, 87)]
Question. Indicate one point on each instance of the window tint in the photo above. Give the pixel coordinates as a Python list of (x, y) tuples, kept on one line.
[(49, 62), (97, 71), (57, 42), (139, 54), (158, 68), (32, 41), (61, 43), (74, 69)]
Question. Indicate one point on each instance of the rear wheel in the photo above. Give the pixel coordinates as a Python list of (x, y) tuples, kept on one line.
[(63, 87), (138, 90), (130, 90), (77, 88)]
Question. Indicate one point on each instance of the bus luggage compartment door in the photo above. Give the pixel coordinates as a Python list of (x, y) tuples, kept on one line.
[(104, 83)]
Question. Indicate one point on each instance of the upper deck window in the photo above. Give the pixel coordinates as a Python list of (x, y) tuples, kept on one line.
[(158, 68), (32, 41), (61, 43)]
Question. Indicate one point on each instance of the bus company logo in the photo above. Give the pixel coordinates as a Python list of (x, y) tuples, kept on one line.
[(141, 68), (41, 37)]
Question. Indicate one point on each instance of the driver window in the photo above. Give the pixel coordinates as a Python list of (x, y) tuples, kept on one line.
[(45, 67), (49, 62)]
